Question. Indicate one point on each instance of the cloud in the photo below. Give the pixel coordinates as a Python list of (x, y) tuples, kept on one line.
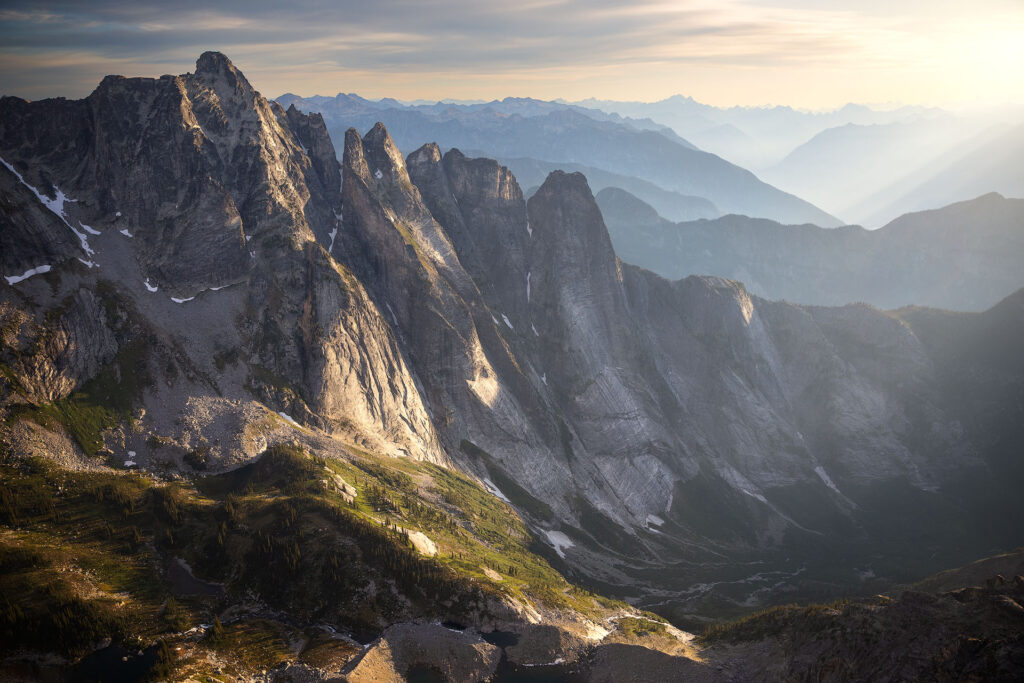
[(389, 44)]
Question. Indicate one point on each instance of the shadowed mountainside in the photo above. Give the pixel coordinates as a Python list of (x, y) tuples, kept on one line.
[(964, 256)]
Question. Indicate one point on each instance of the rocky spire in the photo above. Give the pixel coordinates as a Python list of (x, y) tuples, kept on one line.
[(212, 65)]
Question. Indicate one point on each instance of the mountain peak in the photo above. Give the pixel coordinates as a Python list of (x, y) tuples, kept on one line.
[(568, 206), (378, 135), (381, 152), (622, 207), (213, 63), (559, 181), (429, 153), (214, 67)]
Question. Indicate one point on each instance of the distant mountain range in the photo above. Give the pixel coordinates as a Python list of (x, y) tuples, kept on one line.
[(989, 162), (965, 256), (845, 167), (509, 106), (566, 135), (866, 166), (754, 137)]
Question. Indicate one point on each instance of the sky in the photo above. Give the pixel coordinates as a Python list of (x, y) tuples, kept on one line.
[(803, 53)]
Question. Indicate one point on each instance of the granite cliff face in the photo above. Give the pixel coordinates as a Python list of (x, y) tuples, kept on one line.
[(209, 262), (201, 214), (791, 423)]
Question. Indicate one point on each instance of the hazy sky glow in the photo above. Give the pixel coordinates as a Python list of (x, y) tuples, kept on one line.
[(798, 52)]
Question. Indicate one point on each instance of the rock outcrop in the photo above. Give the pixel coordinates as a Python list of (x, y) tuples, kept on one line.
[(410, 648)]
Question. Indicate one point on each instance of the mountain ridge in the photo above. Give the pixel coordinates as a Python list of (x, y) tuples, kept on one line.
[(962, 256), (874, 157), (569, 136), (755, 136)]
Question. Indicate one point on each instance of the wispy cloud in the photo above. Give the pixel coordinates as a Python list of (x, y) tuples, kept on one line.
[(727, 50)]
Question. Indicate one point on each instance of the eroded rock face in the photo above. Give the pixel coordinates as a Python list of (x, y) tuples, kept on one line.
[(191, 165), (170, 190), (325, 181), (55, 355), (454, 342), (673, 399), (31, 236), (353, 367)]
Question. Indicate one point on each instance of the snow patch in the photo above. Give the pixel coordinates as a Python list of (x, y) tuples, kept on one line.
[(494, 319), (129, 463), (558, 660), (495, 490), (83, 240), (125, 232), (527, 286), (56, 205), (528, 228), (505, 318), (392, 312), (333, 234), (655, 520), (544, 378), (288, 417), (559, 541), (820, 471), (755, 495), (117, 215), (150, 287), (377, 174), (88, 264), (38, 270), (448, 628), (89, 229), (741, 483), (247, 238), (534, 328), (181, 301)]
